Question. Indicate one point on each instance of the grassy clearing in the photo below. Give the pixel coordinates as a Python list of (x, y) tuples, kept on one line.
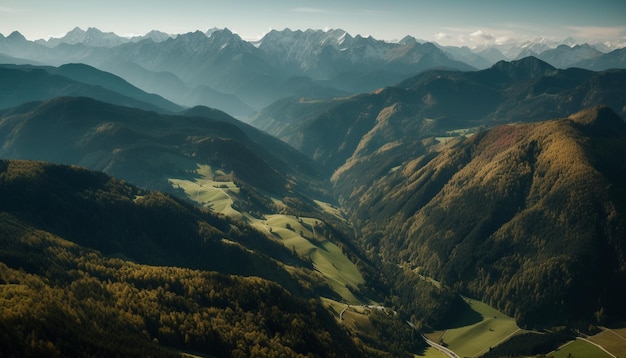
[(456, 133), (613, 340), (579, 348), (476, 330), (327, 258), (207, 191), (434, 282), (328, 208)]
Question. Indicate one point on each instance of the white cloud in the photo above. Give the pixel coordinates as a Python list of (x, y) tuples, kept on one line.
[(481, 35), (442, 36), (597, 32)]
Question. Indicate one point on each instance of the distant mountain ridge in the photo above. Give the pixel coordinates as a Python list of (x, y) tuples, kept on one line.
[(221, 61), (27, 83), (434, 102)]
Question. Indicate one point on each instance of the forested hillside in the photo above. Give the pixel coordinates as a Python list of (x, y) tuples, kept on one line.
[(529, 217), (59, 299)]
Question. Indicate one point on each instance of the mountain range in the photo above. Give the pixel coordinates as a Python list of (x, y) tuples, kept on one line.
[(217, 68)]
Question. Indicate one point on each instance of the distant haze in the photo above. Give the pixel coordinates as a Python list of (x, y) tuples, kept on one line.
[(457, 22)]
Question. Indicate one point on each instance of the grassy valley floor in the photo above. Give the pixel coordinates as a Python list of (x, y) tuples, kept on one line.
[(478, 328)]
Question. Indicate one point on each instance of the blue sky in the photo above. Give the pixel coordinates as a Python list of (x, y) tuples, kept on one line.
[(447, 22)]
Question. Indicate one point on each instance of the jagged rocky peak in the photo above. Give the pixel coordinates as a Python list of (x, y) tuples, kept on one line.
[(407, 40), (16, 36)]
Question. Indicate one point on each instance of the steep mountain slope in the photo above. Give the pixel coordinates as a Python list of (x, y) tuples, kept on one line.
[(146, 148), (170, 86), (528, 217), (466, 55), (106, 214), (31, 83), (436, 102)]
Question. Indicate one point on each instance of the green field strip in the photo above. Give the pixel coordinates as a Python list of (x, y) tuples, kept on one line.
[(476, 339), (327, 258), (579, 349)]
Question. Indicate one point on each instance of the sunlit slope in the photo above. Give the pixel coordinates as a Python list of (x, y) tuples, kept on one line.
[(208, 192), (523, 216), (295, 233), (299, 234)]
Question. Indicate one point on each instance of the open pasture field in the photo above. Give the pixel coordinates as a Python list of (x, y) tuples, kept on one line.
[(476, 329), (207, 191), (299, 234), (613, 339), (579, 349)]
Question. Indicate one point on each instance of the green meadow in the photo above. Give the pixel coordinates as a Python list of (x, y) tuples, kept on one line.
[(478, 328), (207, 191), (579, 348), (299, 234)]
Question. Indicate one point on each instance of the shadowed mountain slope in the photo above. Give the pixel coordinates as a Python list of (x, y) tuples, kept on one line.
[(147, 148), (115, 218), (611, 60), (35, 83)]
